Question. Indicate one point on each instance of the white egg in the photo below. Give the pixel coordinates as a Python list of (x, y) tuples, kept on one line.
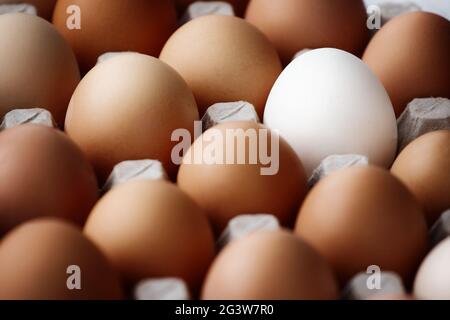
[(327, 102), (433, 278)]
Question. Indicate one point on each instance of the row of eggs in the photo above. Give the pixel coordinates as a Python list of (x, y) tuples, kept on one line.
[(218, 59)]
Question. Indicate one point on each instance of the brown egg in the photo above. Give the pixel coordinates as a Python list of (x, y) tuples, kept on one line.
[(43, 173), (36, 262), (126, 108), (294, 25), (410, 55), (364, 216), (424, 167), (152, 229), (228, 188), (223, 59), (44, 7), (38, 68), (269, 266), (116, 25)]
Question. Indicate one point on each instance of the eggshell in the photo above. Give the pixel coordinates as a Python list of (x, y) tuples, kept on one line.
[(223, 59), (424, 167), (44, 7), (229, 189), (410, 55), (433, 278), (328, 102), (293, 25), (43, 173), (35, 259), (152, 229), (127, 108), (116, 25), (38, 68), (272, 265), (364, 216), (238, 5)]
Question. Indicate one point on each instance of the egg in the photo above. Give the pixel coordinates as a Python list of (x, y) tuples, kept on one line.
[(43, 173), (269, 265), (410, 55), (364, 216), (294, 25), (44, 7), (38, 67), (327, 102), (49, 259), (127, 108), (227, 185), (223, 59), (238, 5), (433, 278), (151, 229), (115, 25), (424, 167)]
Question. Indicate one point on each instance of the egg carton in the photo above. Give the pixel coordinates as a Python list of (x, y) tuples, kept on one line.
[(161, 289), (361, 288), (18, 8), (204, 8), (229, 111), (133, 170), (422, 115), (18, 117)]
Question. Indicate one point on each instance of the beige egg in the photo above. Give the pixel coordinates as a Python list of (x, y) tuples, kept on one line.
[(127, 108), (152, 229), (424, 167), (364, 216), (43, 173), (38, 68), (49, 259), (226, 186), (223, 59), (269, 266)]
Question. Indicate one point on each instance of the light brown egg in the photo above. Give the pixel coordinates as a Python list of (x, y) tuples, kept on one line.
[(223, 59), (364, 216), (44, 7), (152, 229), (424, 167), (269, 266), (43, 173), (294, 25), (228, 188), (410, 55), (116, 25), (35, 259), (127, 108), (38, 68)]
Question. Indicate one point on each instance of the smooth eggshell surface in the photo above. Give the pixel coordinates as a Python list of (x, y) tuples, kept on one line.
[(328, 102)]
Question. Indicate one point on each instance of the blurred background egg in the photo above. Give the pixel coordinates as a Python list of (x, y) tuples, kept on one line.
[(116, 25), (433, 278), (269, 266), (38, 67), (424, 167), (223, 59), (294, 25), (410, 55), (43, 173), (226, 188), (328, 102), (238, 5), (152, 229), (44, 7), (127, 108), (35, 259), (364, 216)]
